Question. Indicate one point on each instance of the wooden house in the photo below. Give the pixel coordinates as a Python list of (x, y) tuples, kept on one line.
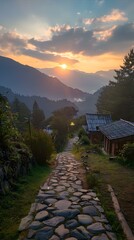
[(94, 121), (116, 134)]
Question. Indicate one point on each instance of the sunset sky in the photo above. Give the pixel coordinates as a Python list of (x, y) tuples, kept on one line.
[(88, 35)]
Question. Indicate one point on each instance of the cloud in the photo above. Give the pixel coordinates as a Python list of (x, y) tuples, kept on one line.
[(12, 41), (59, 28), (69, 44), (88, 42), (114, 16), (73, 40), (48, 57), (100, 2), (104, 33)]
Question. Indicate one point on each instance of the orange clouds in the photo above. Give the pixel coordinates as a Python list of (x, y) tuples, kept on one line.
[(115, 15)]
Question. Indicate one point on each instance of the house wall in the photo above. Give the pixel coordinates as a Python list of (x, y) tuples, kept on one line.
[(112, 147), (95, 137)]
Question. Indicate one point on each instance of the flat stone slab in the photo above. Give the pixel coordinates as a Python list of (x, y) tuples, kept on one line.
[(101, 237), (53, 222), (54, 237), (62, 204), (79, 235), (60, 188), (73, 223), (40, 216), (50, 200), (61, 231), (25, 222), (84, 219), (44, 233), (96, 228), (43, 196), (83, 230), (67, 213), (91, 210), (71, 238), (40, 207), (77, 194), (86, 197), (36, 225)]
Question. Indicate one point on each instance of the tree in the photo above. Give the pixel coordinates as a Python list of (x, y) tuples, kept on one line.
[(60, 123), (15, 157), (22, 112), (118, 97), (38, 116)]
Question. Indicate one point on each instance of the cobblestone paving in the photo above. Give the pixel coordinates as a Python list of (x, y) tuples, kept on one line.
[(64, 210)]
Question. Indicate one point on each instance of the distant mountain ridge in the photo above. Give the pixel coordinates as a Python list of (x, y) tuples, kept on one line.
[(27, 80), (88, 82), (48, 106)]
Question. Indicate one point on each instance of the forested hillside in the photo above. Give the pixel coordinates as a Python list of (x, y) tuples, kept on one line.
[(118, 97)]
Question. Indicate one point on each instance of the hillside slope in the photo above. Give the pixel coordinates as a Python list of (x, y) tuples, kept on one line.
[(27, 80)]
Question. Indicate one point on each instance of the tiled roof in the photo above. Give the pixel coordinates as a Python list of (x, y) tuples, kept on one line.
[(118, 129), (96, 120)]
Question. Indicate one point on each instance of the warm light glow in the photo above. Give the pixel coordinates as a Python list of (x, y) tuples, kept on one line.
[(72, 124), (63, 66)]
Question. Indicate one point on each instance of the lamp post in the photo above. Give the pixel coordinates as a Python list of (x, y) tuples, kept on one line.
[(29, 126)]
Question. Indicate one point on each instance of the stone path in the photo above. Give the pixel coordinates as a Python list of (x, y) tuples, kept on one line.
[(64, 210)]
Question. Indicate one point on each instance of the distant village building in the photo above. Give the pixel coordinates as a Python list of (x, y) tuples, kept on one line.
[(48, 130), (116, 134), (94, 121)]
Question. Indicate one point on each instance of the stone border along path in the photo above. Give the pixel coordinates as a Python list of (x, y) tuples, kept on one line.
[(64, 210)]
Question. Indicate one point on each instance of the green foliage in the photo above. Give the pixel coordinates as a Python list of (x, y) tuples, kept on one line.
[(96, 148), (126, 156), (92, 180), (41, 146), (85, 140), (38, 117), (60, 123), (15, 205), (81, 133), (22, 112), (118, 98), (15, 157), (67, 112)]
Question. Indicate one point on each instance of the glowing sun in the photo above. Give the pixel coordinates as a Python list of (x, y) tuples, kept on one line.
[(63, 66)]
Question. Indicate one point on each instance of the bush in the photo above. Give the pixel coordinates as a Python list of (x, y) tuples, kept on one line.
[(81, 133), (126, 156), (41, 146), (15, 156), (85, 140)]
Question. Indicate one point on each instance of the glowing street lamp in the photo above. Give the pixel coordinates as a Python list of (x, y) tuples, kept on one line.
[(72, 124)]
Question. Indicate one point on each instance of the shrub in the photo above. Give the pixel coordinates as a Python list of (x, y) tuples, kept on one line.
[(41, 146), (126, 156), (96, 148), (85, 140), (81, 133), (15, 156)]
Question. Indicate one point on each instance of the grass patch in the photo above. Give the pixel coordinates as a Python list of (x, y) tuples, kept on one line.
[(122, 180), (103, 172), (16, 204)]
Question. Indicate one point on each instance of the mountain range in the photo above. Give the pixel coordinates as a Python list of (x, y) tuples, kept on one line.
[(27, 80), (87, 82), (29, 84), (47, 105)]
